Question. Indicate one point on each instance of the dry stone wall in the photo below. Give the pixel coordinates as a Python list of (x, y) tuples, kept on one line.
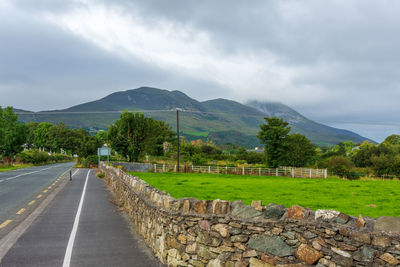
[(219, 233)]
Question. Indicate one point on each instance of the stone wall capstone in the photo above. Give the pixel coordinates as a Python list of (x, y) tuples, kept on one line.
[(219, 233)]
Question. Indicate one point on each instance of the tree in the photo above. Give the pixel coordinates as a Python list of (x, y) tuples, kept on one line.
[(57, 137), (393, 139), (299, 151), (362, 156), (134, 134), (41, 135), (12, 133), (30, 136), (89, 146), (102, 136), (273, 134)]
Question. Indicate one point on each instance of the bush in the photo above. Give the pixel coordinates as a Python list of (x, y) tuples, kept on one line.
[(101, 175), (352, 175), (340, 166), (91, 160), (198, 160), (38, 157)]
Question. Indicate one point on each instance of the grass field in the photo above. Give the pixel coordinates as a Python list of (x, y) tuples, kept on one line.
[(13, 167), (367, 197)]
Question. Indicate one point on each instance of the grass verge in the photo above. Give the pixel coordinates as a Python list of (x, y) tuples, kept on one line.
[(5, 168), (367, 197)]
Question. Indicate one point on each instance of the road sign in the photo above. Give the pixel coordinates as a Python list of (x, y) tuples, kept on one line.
[(104, 151)]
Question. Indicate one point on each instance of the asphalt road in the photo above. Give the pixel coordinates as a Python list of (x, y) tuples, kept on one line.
[(19, 187), (80, 227)]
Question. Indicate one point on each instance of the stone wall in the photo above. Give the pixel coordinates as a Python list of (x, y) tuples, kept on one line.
[(191, 232), (135, 167)]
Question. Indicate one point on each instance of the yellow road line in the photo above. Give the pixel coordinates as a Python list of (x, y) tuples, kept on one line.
[(21, 211), (4, 224), (53, 184), (39, 196), (49, 187), (45, 191), (30, 203)]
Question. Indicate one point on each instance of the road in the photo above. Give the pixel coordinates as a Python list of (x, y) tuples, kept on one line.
[(80, 227), (18, 188)]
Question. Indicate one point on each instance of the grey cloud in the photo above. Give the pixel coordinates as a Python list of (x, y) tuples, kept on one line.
[(349, 48), (44, 67)]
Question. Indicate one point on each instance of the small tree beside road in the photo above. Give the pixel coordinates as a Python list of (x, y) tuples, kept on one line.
[(134, 134), (12, 134)]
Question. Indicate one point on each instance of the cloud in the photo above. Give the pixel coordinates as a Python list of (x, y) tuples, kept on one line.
[(333, 60)]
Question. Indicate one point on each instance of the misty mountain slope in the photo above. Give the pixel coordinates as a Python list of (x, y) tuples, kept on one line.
[(317, 132), (223, 120)]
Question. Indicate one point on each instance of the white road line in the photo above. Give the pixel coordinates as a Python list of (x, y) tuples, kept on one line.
[(68, 252), (10, 178), (75, 172)]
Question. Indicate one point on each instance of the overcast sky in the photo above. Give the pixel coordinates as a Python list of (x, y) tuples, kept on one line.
[(336, 62)]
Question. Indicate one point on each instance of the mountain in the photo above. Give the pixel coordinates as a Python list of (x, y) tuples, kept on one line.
[(222, 120), (319, 133)]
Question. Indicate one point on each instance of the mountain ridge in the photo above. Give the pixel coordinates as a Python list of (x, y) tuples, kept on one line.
[(214, 118)]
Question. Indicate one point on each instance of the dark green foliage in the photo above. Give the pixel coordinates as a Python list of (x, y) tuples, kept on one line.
[(30, 136), (12, 133), (273, 134), (198, 160), (250, 157), (89, 146), (102, 136), (134, 134), (41, 135), (340, 166), (394, 139), (299, 151), (38, 157)]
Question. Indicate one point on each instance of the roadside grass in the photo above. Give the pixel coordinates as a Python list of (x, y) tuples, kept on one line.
[(367, 197), (4, 168)]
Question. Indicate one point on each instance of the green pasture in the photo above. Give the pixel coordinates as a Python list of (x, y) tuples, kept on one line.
[(367, 197)]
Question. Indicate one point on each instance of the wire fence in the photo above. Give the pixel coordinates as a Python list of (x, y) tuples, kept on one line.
[(281, 171)]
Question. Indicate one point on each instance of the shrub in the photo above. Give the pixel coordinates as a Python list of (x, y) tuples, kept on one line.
[(340, 166), (38, 157), (198, 160), (101, 175), (352, 175), (91, 160)]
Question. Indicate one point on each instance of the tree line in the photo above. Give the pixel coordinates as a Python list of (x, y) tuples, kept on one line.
[(135, 136), (52, 138)]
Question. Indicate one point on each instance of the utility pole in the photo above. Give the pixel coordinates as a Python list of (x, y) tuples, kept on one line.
[(177, 137)]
